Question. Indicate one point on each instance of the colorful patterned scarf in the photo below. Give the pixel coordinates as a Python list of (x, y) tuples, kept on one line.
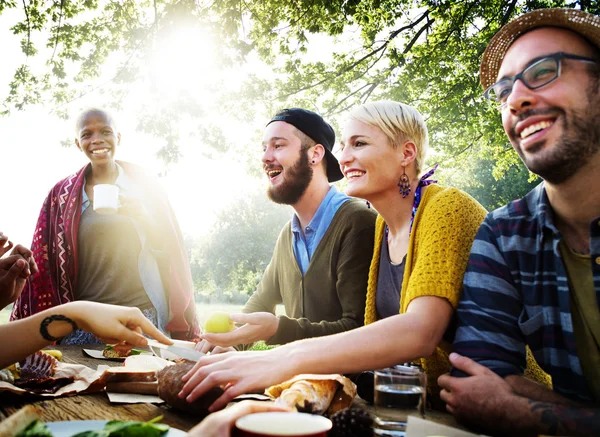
[(54, 248)]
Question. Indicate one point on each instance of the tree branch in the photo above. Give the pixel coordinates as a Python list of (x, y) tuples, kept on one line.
[(393, 35), (28, 30), (60, 15), (338, 104), (509, 12)]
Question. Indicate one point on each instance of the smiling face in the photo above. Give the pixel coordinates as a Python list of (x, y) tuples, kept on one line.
[(370, 164), (97, 137), (555, 128), (285, 163)]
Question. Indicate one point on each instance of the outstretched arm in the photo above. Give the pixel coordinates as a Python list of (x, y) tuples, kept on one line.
[(486, 401), (111, 323), (426, 321)]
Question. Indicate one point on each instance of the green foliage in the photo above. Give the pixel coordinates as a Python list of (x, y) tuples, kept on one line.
[(237, 251), (261, 346), (118, 428), (478, 179), (35, 429), (423, 52)]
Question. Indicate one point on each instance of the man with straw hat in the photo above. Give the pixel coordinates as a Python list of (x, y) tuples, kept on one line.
[(534, 273)]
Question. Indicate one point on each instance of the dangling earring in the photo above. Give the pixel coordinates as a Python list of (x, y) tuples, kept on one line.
[(404, 184)]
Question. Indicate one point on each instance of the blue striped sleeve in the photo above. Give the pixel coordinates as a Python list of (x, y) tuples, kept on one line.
[(490, 306)]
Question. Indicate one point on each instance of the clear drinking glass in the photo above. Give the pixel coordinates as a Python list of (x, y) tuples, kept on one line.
[(399, 392)]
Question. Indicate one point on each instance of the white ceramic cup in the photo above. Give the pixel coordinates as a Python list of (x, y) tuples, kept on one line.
[(106, 199), (282, 424)]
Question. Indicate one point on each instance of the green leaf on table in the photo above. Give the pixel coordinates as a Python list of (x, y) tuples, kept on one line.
[(119, 428), (35, 429)]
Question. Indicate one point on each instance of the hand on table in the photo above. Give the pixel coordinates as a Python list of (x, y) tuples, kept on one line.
[(113, 323), (221, 423), (205, 347), (5, 244), (480, 396), (14, 271), (257, 326), (239, 373)]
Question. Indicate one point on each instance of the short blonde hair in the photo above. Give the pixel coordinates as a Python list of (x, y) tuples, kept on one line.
[(399, 122)]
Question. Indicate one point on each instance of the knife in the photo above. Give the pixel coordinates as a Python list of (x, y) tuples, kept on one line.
[(188, 354)]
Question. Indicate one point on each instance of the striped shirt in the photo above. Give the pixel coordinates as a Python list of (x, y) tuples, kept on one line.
[(516, 293)]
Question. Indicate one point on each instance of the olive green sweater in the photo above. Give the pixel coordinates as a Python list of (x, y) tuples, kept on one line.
[(330, 297)]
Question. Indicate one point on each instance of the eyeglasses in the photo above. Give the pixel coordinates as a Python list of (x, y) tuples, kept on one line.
[(534, 76)]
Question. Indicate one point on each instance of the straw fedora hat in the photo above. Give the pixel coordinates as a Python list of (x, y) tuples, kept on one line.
[(583, 23)]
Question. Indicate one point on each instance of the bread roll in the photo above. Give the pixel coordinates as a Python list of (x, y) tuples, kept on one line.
[(170, 384), (18, 422)]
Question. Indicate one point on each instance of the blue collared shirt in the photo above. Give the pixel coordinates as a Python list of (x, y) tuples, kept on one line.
[(305, 243)]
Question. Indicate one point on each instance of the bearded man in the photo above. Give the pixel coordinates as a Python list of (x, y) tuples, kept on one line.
[(534, 273), (320, 264)]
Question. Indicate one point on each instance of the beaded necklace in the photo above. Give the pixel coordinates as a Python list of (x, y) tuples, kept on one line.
[(423, 182)]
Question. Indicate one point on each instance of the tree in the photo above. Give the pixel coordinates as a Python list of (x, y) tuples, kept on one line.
[(425, 53), (234, 256)]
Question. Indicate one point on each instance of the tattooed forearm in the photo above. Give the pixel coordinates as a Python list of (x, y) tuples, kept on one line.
[(559, 419), (54, 318)]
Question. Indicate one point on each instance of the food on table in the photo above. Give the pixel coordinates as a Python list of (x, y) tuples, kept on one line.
[(308, 396), (170, 384), (119, 351), (137, 375), (140, 364), (37, 374), (315, 394), (38, 365), (18, 421), (7, 376), (53, 353), (117, 428), (26, 423), (351, 422), (219, 322), (35, 429)]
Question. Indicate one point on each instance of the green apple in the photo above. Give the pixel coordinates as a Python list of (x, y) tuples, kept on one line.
[(219, 322)]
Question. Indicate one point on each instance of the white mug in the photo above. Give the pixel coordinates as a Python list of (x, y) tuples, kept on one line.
[(106, 198)]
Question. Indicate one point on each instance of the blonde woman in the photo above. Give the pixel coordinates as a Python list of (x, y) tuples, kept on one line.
[(423, 238)]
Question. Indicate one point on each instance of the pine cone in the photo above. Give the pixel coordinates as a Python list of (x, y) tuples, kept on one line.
[(352, 422)]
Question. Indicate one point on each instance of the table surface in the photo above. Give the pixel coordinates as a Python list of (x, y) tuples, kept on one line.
[(93, 406), (96, 406)]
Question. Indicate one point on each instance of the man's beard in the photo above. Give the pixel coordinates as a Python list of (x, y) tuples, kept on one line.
[(295, 182), (579, 142)]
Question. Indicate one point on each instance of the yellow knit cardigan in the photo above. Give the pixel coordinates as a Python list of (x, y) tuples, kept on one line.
[(438, 251)]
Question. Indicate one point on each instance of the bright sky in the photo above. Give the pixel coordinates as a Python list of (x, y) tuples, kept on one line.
[(32, 159)]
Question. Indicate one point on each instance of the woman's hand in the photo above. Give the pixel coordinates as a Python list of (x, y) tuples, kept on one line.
[(113, 323), (239, 372), (220, 424)]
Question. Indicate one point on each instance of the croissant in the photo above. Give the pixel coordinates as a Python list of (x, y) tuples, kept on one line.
[(308, 396)]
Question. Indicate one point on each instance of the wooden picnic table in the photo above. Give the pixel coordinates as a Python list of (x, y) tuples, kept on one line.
[(96, 406), (93, 406)]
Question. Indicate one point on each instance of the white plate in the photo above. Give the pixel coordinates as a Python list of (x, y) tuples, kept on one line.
[(70, 428)]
